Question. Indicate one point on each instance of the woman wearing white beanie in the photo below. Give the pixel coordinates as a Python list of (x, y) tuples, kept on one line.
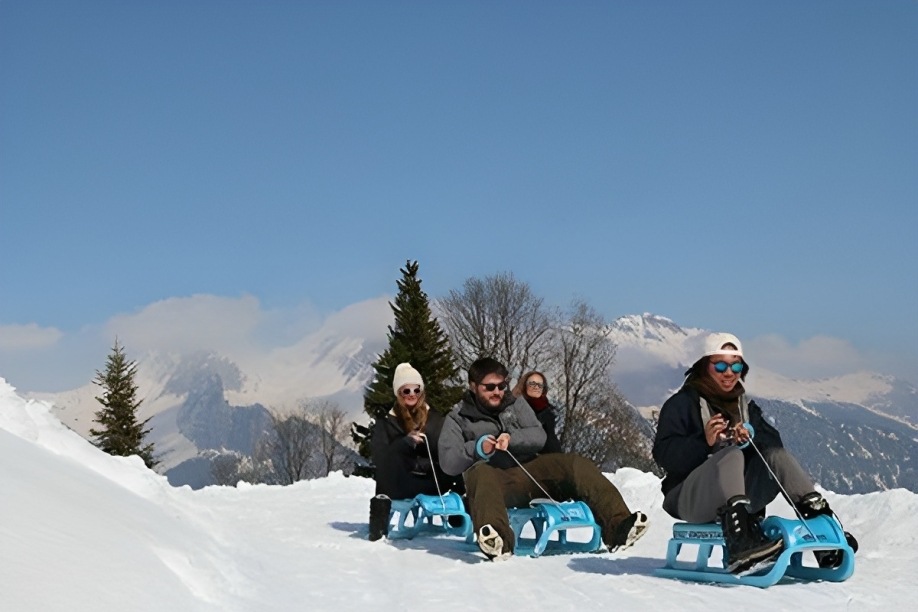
[(401, 447)]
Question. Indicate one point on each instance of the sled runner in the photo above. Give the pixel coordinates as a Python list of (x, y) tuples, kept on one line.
[(429, 514), (548, 518), (819, 533)]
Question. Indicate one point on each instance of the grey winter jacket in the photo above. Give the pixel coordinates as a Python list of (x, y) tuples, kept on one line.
[(467, 422)]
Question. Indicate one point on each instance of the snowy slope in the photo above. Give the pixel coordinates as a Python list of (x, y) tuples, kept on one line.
[(82, 531)]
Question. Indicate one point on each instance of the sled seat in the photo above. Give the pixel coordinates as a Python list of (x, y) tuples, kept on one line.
[(429, 514), (552, 521), (815, 534)]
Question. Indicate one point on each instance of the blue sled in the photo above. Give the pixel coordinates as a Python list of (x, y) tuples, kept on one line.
[(549, 518), (818, 533), (429, 514)]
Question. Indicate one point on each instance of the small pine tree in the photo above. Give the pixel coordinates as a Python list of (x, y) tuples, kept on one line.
[(416, 337), (120, 434)]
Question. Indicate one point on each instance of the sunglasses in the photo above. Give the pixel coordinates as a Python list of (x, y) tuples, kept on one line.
[(491, 386), (415, 391), (721, 367), (535, 385)]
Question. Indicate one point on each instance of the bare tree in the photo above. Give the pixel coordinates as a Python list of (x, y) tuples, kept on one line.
[(230, 467), (595, 420), (289, 447), (334, 436), (500, 317), (582, 357), (224, 468)]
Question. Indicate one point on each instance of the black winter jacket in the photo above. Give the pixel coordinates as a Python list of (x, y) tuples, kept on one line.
[(548, 417), (403, 469), (680, 446)]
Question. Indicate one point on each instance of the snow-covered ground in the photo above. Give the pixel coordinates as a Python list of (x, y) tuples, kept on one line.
[(83, 531)]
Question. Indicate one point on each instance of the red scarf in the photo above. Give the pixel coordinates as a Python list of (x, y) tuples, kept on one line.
[(538, 403)]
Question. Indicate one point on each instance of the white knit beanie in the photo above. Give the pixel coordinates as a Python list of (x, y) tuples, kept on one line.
[(405, 374), (714, 345)]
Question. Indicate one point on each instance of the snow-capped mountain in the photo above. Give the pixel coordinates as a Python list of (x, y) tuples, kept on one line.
[(856, 431), (202, 402), (650, 347)]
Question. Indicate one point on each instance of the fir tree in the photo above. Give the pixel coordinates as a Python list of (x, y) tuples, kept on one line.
[(121, 434), (416, 337)]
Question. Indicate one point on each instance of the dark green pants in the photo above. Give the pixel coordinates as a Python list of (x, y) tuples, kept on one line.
[(564, 476)]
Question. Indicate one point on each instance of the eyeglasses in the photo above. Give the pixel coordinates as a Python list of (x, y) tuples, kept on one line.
[(535, 385), (415, 391), (502, 386), (721, 367)]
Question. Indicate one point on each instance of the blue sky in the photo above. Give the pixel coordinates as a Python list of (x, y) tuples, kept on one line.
[(740, 166)]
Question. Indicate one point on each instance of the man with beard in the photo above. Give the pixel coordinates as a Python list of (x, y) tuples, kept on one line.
[(483, 438)]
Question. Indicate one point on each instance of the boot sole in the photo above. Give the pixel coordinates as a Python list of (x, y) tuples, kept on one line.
[(756, 559), (491, 544)]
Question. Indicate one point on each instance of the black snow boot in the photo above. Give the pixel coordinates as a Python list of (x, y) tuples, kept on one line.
[(814, 504), (380, 507), (746, 543)]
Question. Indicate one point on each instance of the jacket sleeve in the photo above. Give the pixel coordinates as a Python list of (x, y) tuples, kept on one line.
[(392, 456), (679, 445), (527, 436), (451, 482), (766, 436), (455, 452)]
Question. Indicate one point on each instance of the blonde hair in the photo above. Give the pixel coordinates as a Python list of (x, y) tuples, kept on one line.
[(412, 419)]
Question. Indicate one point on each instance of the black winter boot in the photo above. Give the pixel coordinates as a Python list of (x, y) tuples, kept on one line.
[(746, 543), (814, 504), (380, 507)]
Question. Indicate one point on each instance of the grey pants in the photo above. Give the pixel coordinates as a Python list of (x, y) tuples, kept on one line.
[(727, 473)]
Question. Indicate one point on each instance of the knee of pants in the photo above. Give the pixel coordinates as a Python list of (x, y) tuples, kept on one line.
[(728, 458), (573, 463), (730, 469), (478, 475)]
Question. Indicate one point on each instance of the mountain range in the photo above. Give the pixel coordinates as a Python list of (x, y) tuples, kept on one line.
[(855, 433)]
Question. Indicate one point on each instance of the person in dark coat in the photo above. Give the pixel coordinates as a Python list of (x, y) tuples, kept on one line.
[(533, 387), (404, 450), (713, 473)]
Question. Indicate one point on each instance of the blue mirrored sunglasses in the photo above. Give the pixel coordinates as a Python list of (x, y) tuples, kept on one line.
[(721, 367)]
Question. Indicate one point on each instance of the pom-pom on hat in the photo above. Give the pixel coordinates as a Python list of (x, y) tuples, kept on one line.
[(405, 374), (714, 345)]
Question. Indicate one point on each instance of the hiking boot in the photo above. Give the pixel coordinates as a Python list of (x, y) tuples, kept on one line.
[(814, 504), (491, 544), (380, 507), (629, 531), (745, 542)]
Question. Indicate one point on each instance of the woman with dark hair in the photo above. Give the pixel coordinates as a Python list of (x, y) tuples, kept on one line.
[(712, 472), (404, 450), (533, 387)]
